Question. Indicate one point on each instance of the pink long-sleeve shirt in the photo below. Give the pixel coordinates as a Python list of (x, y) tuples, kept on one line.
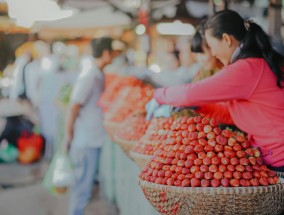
[(255, 102)]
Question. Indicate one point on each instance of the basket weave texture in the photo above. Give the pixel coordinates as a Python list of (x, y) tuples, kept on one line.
[(140, 159), (171, 200), (125, 145)]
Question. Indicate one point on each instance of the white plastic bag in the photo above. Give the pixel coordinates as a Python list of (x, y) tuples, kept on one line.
[(63, 174)]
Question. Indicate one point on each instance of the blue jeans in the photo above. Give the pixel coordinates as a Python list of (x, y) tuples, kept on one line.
[(85, 163)]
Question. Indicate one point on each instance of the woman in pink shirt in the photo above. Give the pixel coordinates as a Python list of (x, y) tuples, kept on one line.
[(250, 85)]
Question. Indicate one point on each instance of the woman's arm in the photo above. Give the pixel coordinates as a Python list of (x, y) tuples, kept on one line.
[(234, 82)]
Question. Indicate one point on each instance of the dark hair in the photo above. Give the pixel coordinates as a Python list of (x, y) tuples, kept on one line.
[(254, 41), (198, 40), (196, 43), (99, 45)]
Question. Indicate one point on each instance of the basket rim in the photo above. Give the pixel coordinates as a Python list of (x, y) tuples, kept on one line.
[(141, 156), (119, 140), (212, 190)]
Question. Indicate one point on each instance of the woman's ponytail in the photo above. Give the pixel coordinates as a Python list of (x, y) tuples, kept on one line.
[(256, 43)]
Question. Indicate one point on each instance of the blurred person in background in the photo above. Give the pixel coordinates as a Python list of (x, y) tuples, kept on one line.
[(84, 130), (202, 53)]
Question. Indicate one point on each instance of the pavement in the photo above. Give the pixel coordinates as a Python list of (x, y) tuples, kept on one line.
[(21, 193)]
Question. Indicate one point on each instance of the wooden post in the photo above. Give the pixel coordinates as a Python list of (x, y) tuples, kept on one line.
[(274, 16)]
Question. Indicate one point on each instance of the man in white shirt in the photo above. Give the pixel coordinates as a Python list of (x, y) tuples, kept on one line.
[(85, 133)]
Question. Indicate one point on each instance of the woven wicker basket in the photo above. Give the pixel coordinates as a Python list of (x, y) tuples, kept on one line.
[(110, 128), (140, 159), (170, 200), (125, 145)]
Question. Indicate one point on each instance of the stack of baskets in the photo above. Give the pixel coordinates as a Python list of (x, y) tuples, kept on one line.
[(125, 145)]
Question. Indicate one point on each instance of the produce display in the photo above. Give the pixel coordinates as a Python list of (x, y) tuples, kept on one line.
[(133, 128), (197, 153), (131, 100), (113, 85), (154, 136)]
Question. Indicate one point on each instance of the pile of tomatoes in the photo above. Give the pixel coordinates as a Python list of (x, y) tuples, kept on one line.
[(133, 128), (197, 153), (154, 136)]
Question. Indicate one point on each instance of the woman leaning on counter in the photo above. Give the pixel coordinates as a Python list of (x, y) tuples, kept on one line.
[(250, 84)]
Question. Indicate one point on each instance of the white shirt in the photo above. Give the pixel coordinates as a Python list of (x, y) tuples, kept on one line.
[(88, 130)]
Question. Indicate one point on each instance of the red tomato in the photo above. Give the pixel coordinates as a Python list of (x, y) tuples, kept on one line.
[(225, 182), (194, 182), (188, 163), (185, 183), (208, 175), (205, 183), (213, 168), (235, 182), (237, 175), (228, 174), (215, 182)]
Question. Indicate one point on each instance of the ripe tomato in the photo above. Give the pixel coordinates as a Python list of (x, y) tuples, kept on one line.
[(181, 177), (215, 182), (235, 182), (211, 135), (201, 155), (225, 160), (217, 130), (225, 182), (208, 175), (219, 148), (232, 141), (188, 163), (211, 154), (254, 182), (221, 140), (245, 183), (205, 183), (244, 161), (199, 127), (185, 183), (204, 168), (218, 175), (199, 175), (211, 142), (207, 161), (227, 133), (198, 162), (194, 169), (247, 175), (228, 174), (222, 168), (208, 148), (213, 168), (185, 171), (231, 168), (194, 182), (177, 183), (237, 175), (234, 161), (207, 129), (240, 168), (263, 181), (201, 135), (216, 160), (241, 154)]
